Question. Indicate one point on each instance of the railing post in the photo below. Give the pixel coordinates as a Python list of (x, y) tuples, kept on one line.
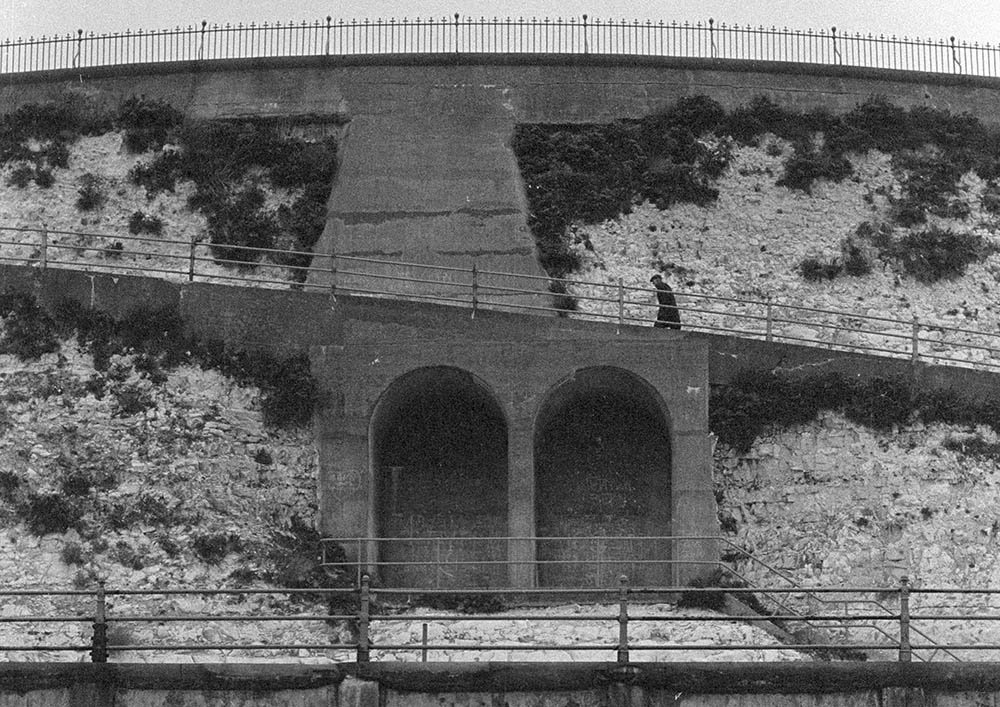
[(333, 276), (475, 289), (621, 304), (915, 349), (423, 643), (905, 652), (622, 620), (364, 613), (457, 50), (99, 642), (769, 335), (191, 260), (45, 245)]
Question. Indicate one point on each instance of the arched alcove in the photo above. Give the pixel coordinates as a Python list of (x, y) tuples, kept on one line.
[(438, 442), (602, 469)]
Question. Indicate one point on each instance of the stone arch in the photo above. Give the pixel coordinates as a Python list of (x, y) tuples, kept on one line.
[(438, 458), (602, 455)]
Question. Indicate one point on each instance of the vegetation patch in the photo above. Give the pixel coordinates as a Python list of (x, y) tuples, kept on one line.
[(158, 340), (589, 173), (231, 165), (929, 255), (756, 401)]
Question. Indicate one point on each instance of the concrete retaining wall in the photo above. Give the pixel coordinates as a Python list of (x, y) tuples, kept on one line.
[(516, 685)]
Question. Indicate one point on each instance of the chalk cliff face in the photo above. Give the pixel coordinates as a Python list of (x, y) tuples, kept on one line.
[(833, 504), (749, 244)]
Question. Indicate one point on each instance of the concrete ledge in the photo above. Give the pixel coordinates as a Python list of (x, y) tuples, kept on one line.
[(503, 60), (690, 678)]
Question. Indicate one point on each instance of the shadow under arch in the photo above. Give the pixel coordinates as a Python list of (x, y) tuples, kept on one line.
[(602, 470), (438, 458)]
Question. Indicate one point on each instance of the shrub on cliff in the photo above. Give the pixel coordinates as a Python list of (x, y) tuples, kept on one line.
[(755, 401), (28, 332), (940, 254), (231, 163), (146, 123)]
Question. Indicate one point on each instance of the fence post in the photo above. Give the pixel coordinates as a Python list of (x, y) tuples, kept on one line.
[(457, 50), (475, 289), (623, 620), (915, 351), (191, 260), (769, 336), (364, 612), (99, 642), (905, 652), (423, 643), (333, 276), (45, 245), (621, 305)]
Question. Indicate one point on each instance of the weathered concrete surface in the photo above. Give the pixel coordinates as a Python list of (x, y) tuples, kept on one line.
[(538, 685)]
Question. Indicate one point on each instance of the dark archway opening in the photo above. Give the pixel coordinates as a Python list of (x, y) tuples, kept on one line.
[(602, 464), (439, 456)]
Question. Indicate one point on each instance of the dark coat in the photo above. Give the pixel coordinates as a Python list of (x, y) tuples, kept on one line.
[(667, 314)]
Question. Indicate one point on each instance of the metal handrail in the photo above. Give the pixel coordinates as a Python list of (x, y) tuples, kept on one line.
[(633, 306), (582, 35), (628, 601)]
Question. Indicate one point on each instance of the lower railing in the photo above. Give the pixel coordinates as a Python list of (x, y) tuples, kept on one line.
[(355, 624), (755, 316)]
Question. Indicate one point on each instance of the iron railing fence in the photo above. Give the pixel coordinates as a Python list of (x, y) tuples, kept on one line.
[(624, 306), (470, 35), (364, 614), (469, 563)]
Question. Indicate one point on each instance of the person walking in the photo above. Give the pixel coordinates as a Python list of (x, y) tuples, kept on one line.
[(667, 314)]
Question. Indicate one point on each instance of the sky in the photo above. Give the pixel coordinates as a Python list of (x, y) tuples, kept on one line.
[(969, 20)]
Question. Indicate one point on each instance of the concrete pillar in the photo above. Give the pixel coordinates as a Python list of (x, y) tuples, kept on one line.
[(693, 502), (521, 505), (346, 493)]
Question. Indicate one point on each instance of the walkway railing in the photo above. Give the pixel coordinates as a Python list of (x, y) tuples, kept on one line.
[(358, 623), (614, 303), (597, 562), (705, 39)]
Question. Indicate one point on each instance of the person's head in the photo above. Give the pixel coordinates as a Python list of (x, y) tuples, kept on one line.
[(656, 278)]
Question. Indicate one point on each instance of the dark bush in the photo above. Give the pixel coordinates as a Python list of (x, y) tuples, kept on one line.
[(239, 226), (10, 482), (881, 403), (51, 513), (44, 178), (804, 167), (146, 123), (139, 222), (938, 254), (562, 300), (91, 194), (28, 332), (212, 548), (21, 176), (159, 174), (855, 260), (814, 270)]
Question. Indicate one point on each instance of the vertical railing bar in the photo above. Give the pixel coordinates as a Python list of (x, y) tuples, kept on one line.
[(623, 620), (475, 290), (905, 651), (99, 641), (364, 618)]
